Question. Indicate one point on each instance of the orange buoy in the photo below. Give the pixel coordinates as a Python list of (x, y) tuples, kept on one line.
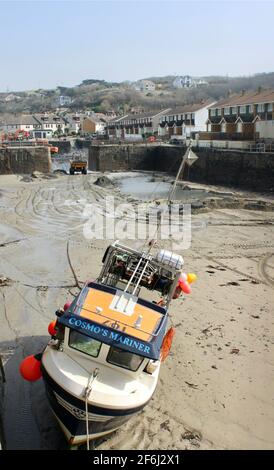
[(30, 368), (51, 328), (166, 344)]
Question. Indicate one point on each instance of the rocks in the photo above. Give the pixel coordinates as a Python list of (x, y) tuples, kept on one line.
[(5, 281), (256, 205), (197, 205), (26, 179), (234, 351), (36, 174), (59, 172), (104, 182)]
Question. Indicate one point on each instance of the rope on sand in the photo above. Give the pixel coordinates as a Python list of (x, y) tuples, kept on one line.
[(72, 269)]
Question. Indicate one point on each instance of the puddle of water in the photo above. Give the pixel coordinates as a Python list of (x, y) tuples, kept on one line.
[(141, 187)]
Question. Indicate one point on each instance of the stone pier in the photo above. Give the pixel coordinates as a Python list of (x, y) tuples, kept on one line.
[(25, 160)]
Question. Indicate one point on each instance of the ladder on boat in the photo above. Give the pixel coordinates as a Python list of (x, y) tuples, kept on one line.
[(137, 275)]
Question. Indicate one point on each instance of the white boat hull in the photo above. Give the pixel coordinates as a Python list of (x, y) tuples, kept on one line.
[(69, 409)]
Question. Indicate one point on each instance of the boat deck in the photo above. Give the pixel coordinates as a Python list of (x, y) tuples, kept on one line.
[(120, 311)]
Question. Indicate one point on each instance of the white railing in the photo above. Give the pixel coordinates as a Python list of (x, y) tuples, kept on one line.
[(261, 147)]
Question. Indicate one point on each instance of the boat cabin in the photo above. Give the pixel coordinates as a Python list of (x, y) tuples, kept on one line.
[(110, 323)]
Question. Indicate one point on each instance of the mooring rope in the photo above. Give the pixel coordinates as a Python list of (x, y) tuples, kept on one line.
[(88, 389)]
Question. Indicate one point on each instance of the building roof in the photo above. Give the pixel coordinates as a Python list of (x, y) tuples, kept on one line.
[(251, 97), (149, 114), (73, 117), (116, 120), (21, 119), (95, 118), (188, 108), (48, 118)]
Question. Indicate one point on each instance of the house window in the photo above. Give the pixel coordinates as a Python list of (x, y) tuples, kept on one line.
[(249, 109), (260, 108), (227, 110), (270, 107), (213, 112), (234, 109), (219, 112), (242, 109), (188, 116)]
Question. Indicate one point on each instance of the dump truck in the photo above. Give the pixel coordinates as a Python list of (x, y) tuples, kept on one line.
[(78, 166)]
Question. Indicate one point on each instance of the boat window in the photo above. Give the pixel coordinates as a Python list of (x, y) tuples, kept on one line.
[(84, 343), (127, 360)]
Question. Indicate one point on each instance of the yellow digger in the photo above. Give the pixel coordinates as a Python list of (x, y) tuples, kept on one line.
[(78, 166)]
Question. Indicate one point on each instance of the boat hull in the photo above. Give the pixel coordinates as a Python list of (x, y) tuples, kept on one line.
[(71, 415)]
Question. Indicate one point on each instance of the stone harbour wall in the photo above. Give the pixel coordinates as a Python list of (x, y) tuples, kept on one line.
[(240, 169), (24, 160)]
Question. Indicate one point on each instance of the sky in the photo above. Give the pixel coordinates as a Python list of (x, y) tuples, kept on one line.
[(52, 43)]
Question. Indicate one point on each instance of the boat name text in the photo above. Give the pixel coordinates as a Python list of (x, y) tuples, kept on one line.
[(111, 335)]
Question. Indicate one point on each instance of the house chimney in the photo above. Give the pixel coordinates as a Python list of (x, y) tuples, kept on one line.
[(259, 89), (243, 92)]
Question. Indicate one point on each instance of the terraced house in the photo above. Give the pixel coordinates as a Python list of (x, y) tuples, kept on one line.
[(135, 124), (181, 122), (246, 116)]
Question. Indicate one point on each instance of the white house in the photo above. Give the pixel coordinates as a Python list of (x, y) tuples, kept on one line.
[(20, 122), (50, 121), (145, 86), (65, 100), (73, 122), (182, 121), (188, 82)]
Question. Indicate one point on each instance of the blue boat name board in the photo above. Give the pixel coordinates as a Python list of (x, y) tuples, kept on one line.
[(109, 336)]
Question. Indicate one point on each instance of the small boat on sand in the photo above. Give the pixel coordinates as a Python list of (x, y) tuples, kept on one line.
[(102, 365)]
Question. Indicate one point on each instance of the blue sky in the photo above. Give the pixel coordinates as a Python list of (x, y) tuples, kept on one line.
[(50, 43)]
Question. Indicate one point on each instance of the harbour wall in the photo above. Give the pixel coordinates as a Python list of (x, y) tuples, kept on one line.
[(25, 160), (242, 169)]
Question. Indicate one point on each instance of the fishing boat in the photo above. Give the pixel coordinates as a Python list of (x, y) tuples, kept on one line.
[(102, 366), (102, 363)]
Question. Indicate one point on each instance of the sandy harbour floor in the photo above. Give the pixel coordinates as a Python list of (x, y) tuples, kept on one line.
[(216, 389)]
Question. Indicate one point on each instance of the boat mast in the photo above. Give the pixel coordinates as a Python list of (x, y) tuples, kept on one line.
[(181, 168)]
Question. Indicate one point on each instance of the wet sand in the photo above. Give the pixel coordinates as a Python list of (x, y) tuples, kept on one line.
[(216, 389)]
